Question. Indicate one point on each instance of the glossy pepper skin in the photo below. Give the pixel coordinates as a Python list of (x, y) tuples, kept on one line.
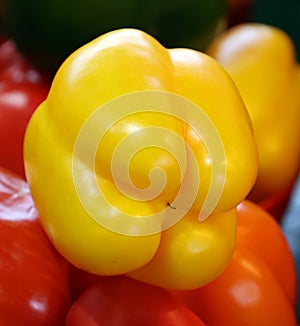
[(34, 279), (22, 89), (120, 301), (258, 287), (262, 62), (118, 63)]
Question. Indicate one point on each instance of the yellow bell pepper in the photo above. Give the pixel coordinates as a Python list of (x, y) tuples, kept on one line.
[(262, 62), (123, 154)]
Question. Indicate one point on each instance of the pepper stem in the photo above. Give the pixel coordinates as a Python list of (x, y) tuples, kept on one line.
[(170, 205)]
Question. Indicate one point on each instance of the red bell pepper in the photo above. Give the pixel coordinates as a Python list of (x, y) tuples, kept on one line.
[(34, 288), (258, 287), (121, 301), (22, 89)]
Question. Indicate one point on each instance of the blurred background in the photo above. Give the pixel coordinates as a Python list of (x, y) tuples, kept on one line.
[(48, 31)]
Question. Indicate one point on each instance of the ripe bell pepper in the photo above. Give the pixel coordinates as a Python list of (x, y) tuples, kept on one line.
[(262, 62), (22, 89), (80, 187), (258, 287), (34, 278), (120, 301)]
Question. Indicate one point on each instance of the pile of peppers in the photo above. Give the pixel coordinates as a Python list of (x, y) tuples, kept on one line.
[(262, 62), (232, 267)]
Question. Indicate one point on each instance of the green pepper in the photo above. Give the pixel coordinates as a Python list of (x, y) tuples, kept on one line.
[(48, 31)]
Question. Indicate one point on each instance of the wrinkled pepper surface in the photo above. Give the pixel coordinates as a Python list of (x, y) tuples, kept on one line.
[(189, 253), (262, 62)]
